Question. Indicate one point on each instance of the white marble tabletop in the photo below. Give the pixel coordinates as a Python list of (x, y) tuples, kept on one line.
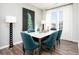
[(40, 34)]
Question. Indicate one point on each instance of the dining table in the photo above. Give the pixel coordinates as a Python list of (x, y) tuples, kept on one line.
[(40, 36)]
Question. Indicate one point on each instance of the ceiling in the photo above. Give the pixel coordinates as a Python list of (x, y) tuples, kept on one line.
[(47, 5)]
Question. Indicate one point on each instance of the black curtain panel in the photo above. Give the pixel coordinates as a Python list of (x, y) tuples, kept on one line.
[(28, 19)]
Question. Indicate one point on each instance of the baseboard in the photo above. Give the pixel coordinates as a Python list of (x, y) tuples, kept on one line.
[(8, 45), (17, 42), (71, 40), (2, 47)]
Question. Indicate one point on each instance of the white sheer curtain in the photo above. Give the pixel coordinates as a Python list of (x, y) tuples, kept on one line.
[(65, 16), (54, 16)]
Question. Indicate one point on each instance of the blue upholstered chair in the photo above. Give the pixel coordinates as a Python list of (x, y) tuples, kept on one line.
[(31, 30), (50, 42), (58, 37), (28, 43)]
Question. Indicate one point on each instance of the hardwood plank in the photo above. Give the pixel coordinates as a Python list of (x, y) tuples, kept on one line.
[(66, 48)]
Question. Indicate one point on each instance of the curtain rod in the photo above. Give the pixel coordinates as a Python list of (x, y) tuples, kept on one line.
[(59, 6)]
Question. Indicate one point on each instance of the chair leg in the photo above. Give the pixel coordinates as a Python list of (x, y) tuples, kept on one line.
[(35, 51), (32, 52), (50, 51), (59, 42), (23, 50), (54, 47), (56, 43)]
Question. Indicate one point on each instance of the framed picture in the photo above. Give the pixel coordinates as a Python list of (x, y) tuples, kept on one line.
[(28, 19)]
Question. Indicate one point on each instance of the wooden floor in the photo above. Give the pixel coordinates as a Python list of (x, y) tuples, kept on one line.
[(66, 48)]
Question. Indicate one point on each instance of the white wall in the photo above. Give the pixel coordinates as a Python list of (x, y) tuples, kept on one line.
[(78, 24), (8, 9)]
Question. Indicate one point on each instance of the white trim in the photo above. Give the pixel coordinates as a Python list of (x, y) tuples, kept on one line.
[(2, 47), (17, 42), (70, 40)]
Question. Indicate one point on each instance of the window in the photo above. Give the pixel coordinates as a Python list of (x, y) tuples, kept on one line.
[(54, 19)]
